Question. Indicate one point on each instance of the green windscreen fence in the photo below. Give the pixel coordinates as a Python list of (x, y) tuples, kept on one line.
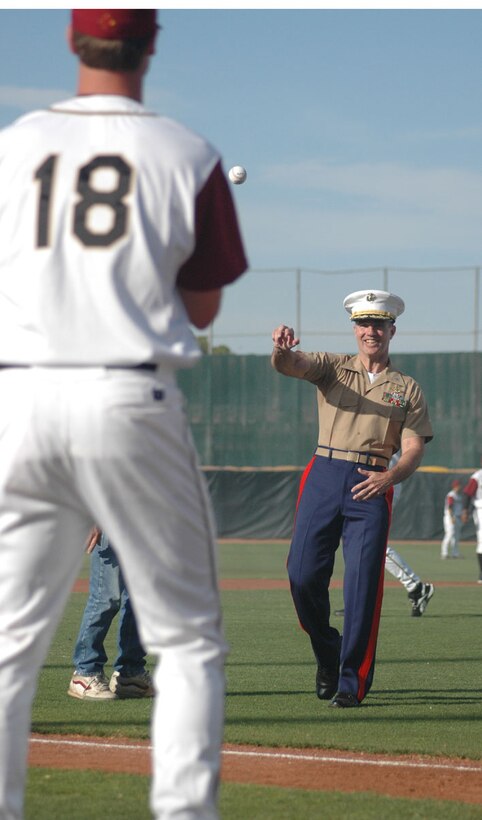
[(255, 430), (260, 503), (243, 413)]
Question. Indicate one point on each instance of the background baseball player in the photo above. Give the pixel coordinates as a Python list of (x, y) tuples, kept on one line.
[(117, 229), (473, 501), (452, 521), (419, 592)]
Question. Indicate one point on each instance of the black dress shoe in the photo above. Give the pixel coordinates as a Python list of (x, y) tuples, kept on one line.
[(326, 681), (327, 677), (344, 700)]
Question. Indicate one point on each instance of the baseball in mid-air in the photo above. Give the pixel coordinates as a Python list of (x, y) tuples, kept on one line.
[(237, 174)]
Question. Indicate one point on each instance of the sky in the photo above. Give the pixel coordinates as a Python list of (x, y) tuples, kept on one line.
[(361, 132)]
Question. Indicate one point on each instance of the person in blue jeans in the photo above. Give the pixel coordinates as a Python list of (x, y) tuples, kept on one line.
[(108, 596)]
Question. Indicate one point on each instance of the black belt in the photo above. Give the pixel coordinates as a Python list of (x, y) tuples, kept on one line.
[(351, 455), (144, 366)]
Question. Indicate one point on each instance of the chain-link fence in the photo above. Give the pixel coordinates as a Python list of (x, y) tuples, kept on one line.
[(443, 308)]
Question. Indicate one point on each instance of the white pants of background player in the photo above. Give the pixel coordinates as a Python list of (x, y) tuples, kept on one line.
[(477, 516), (110, 447), (452, 530), (395, 564)]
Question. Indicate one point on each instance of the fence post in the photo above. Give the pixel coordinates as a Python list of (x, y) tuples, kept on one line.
[(476, 308), (385, 278), (298, 302), (476, 449)]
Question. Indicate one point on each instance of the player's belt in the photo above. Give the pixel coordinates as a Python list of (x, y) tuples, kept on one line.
[(143, 366), (351, 455)]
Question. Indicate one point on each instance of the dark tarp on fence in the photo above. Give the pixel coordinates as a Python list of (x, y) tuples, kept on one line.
[(255, 430), (260, 504), (244, 413)]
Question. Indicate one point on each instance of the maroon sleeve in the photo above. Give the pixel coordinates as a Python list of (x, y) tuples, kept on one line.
[(218, 257), (471, 488)]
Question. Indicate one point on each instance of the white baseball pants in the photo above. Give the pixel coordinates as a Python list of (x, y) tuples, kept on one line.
[(397, 567), (110, 447), (452, 530), (477, 517)]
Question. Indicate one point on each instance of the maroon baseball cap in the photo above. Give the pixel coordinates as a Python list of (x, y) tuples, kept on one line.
[(115, 24)]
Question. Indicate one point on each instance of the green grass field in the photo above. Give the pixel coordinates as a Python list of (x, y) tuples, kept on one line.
[(57, 795), (426, 697)]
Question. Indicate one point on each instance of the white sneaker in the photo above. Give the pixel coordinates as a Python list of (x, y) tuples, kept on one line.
[(138, 686), (90, 687)]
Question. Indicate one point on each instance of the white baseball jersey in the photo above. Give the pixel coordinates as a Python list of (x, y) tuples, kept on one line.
[(105, 209), (454, 503), (99, 218)]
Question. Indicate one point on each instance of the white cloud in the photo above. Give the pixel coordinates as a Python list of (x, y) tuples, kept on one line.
[(433, 190), (299, 233), (447, 135), (343, 213)]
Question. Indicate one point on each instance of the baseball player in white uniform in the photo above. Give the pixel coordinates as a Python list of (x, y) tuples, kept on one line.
[(419, 593), (473, 500), (117, 230), (452, 521)]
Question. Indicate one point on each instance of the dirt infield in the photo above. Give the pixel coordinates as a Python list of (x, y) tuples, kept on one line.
[(408, 776), (400, 776), (82, 584)]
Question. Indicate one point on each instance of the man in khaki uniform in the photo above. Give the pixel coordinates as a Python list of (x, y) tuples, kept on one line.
[(367, 411)]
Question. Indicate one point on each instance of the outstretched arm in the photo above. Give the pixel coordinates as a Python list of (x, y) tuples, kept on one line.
[(284, 359)]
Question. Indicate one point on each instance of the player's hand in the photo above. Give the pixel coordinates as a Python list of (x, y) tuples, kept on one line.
[(376, 484), (92, 539), (465, 516), (284, 337)]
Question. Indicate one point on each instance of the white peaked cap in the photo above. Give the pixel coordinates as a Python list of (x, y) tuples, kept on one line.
[(373, 304)]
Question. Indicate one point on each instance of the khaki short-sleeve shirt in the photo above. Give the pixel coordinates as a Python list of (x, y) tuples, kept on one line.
[(356, 415)]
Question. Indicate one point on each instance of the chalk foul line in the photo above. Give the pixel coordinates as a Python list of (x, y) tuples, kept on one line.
[(273, 755)]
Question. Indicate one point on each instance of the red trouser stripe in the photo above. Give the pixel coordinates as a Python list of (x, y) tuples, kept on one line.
[(367, 662), (300, 493), (305, 475)]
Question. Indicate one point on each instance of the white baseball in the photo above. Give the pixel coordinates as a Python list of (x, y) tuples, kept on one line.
[(237, 174)]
